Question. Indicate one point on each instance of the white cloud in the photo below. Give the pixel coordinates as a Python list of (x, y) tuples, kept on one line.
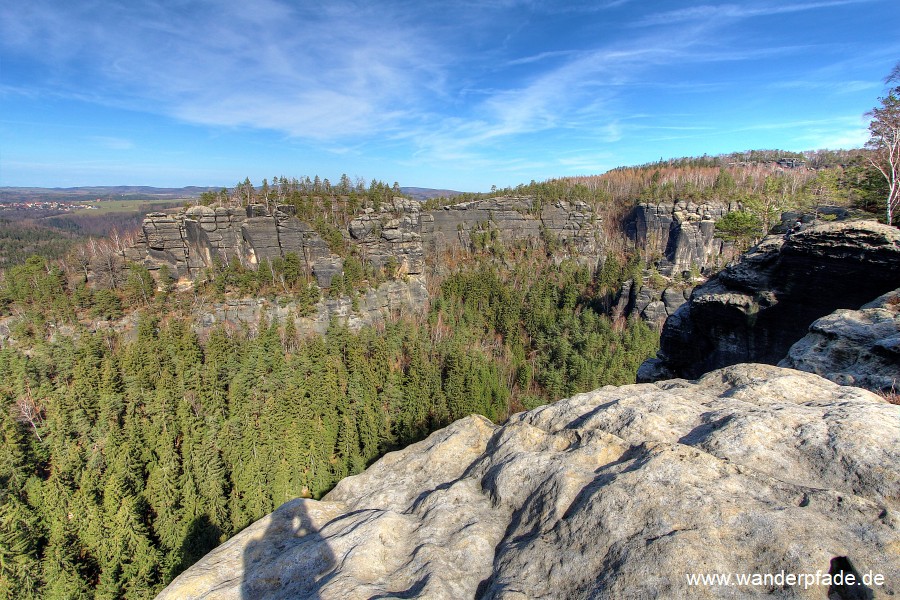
[(455, 83), (325, 71), (710, 12)]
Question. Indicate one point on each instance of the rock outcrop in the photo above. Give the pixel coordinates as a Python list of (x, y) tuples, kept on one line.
[(515, 220), (623, 492), (398, 233), (194, 239), (755, 310), (649, 303), (854, 347), (397, 239), (682, 234), (371, 307)]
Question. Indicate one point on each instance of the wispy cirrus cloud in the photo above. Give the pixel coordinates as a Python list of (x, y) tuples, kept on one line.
[(706, 12), (316, 72), (111, 143), (504, 85)]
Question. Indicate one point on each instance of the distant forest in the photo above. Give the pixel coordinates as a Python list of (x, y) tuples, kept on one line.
[(54, 233)]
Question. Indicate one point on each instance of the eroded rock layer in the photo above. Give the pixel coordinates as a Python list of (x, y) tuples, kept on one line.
[(755, 310), (623, 492), (398, 233), (682, 234)]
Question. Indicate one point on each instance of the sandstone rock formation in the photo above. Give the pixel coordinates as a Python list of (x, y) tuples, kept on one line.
[(618, 493), (649, 303), (373, 306), (682, 233), (191, 240), (755, 310), (516, 220), (397, 238), (854, 347)]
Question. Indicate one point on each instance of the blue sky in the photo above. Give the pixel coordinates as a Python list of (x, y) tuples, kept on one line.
[(457, 94)]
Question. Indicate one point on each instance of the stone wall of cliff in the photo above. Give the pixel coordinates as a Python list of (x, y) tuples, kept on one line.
[(678, 237), (399, 235), (681, 234), (191, 240), (755, 310)]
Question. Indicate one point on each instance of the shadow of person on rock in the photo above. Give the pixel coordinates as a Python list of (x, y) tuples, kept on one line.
[(290, 559), (201, 537)]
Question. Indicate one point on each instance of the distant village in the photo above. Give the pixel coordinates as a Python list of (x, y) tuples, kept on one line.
[(50, 205)]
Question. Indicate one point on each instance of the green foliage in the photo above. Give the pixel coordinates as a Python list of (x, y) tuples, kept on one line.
[(140, 287), (123, 462), (740, 226), (106, 305)]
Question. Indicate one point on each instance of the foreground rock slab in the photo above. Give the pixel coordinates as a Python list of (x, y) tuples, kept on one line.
[(623, 492)]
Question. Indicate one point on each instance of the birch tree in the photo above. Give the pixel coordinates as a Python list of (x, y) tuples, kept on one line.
[(884, 141)]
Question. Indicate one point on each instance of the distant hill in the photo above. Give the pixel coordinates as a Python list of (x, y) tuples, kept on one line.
[(144, 192), (117, 192), (418, 193)]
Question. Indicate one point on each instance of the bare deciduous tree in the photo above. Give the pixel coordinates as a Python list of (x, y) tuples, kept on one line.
[(29, 410), (108, 263), (884, 140)]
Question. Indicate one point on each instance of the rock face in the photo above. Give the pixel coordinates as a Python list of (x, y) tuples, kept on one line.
[(515, 220), (854, 347), (396, 239), (682, 233), (192, 240), (374, 306), (398, 234), (650, 304), (618, 493), (756, 310)]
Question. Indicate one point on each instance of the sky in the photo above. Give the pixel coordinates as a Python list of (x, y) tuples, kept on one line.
[(455, 94)]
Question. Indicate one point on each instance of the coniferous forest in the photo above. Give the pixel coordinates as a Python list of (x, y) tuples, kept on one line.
[(127, 456)]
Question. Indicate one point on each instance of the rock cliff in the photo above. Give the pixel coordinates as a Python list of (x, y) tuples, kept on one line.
[(371, 307), (649, 303), (623, 492), (682, 234), (398, 237), (515, 220), (399, 232), (755, 310)]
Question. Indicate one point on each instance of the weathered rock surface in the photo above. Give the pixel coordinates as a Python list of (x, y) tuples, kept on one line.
[(682, 233), (755, 310), (398, 234), (854, 347), (651, 304), (372, 307), (617, 493), (515, 220), (193, 240), (395, 240)]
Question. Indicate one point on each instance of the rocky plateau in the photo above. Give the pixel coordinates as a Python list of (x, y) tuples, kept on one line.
[(401, 234)]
